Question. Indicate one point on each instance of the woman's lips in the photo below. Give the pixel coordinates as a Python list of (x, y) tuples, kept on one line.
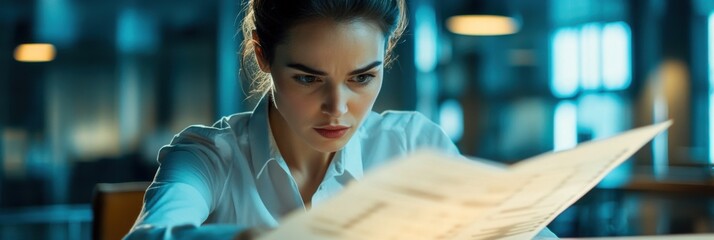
[(332, 131)]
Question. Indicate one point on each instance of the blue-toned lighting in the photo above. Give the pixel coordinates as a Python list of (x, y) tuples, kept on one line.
[(56, 22), (565, 128), (136, 32), (228, 93), (711, 87), (616, 56), (425, 38), (660, 162), (711, 50), (427, 85), (451, 119), (590, 56), (564, 47), (591, 109), (130, 103), (593, 106), (711, 126)]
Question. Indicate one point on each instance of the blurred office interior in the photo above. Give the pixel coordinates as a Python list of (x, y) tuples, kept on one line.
[(120, 78)]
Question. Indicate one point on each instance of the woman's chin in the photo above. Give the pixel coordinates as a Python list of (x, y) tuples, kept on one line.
[(329, 145)]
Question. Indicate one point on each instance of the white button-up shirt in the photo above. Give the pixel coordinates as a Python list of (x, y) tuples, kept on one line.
[(215, 181)]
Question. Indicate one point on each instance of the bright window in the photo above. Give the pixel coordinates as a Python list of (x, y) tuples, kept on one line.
[(616, 60), (565, 128), (451, 119), (565, 65), (591, 57), (590, 42)]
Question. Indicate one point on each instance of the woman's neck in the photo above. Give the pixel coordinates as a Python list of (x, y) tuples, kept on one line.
[(301, 158), (307, 165)]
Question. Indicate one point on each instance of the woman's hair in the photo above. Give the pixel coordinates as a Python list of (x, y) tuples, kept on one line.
[(271, 20)]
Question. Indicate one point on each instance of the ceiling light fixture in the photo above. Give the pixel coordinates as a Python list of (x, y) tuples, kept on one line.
[(483, 18), (35, 52)]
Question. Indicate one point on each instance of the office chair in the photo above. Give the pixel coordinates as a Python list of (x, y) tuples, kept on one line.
[(115, 207)]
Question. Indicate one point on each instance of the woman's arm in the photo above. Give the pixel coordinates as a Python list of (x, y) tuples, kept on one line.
[(179, 201)]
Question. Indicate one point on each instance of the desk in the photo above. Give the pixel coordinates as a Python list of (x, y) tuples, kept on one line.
[(681, 203), (664, 237)]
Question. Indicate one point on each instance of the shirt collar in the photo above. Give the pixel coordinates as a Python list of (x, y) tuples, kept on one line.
[(349, 159), (259, 139)]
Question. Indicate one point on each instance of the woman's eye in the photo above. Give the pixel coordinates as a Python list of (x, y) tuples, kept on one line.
[(305, 79), (363, 79)]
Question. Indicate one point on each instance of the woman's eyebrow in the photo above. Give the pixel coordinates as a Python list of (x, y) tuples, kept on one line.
[(306, 69), (309, 70), (366, 68)]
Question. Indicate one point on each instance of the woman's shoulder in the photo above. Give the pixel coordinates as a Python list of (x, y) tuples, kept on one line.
[(221, 128), (414, 128), (219, 140), (397, 120)]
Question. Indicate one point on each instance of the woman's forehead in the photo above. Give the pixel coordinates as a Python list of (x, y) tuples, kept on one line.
[(327, 25), (325, 40)]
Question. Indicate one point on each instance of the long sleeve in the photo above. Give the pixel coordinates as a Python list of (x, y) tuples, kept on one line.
[(178, 202)]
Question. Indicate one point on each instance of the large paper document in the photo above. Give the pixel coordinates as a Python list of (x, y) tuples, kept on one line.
[(432, 196)]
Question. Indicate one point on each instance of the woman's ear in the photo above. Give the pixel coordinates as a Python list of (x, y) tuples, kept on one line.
[(259, 54)]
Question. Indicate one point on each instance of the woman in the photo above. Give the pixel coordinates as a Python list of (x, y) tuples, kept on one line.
[(319, 66)]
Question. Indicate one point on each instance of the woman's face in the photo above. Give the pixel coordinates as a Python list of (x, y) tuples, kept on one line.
[(326, 77)]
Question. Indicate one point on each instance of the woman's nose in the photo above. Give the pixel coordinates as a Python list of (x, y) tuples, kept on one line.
[(335, 104)]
